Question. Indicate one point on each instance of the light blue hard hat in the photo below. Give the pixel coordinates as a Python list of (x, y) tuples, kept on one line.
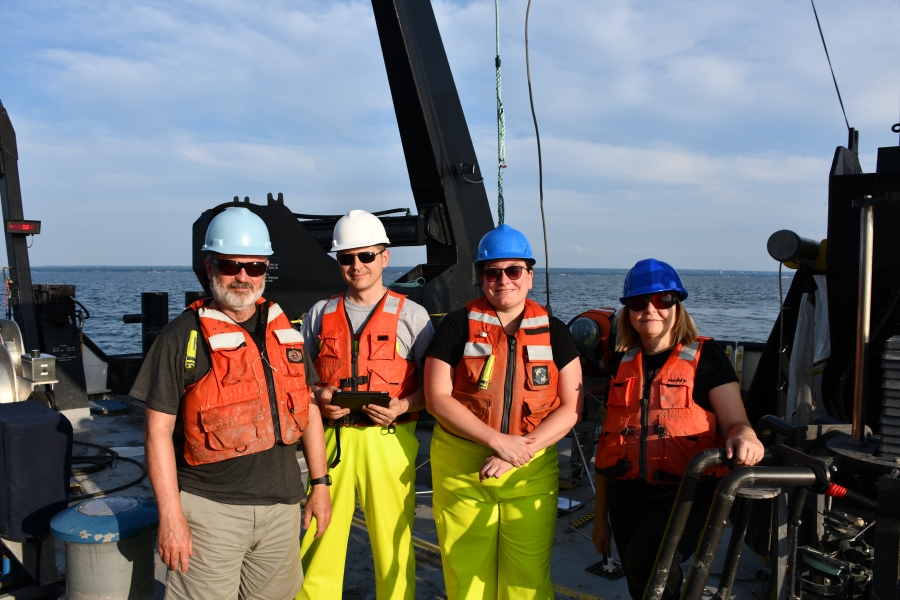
[(237, 231), (504, 242), (650, 276)]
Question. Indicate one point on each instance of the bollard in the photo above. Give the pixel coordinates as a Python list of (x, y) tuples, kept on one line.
[(109, 549), (154, 316)]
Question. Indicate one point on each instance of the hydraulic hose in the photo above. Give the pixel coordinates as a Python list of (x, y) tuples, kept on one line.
[(838, 491), (98, 463)]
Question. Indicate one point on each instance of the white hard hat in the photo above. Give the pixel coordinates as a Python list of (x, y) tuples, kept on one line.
[(237, 231), (358, 229)]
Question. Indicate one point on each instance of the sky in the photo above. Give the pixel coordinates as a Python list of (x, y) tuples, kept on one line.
[(687, 131)]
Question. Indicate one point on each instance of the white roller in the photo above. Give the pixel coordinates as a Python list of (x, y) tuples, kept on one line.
[(12, 339), (8, 383)]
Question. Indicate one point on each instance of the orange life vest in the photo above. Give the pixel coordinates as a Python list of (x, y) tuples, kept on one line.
[(522, 388), (599, 363), (367, 362), (655, 438), (244, 404)]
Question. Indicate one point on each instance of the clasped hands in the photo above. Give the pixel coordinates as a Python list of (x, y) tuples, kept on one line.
[(511, 451)]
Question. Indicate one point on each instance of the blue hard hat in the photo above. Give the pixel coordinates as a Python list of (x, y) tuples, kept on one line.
[(238, 231), (504, 242), (650, 276)]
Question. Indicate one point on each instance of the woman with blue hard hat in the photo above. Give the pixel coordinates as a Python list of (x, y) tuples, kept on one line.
[(672, 395), (503, 380)]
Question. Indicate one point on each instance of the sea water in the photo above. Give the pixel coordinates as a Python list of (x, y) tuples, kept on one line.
[(727, 305)]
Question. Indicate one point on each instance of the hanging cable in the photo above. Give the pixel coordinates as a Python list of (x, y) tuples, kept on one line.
[(537, 136), (501, 120), (833, 78)]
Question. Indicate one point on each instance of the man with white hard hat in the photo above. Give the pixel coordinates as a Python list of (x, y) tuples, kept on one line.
[(369, 339), (227, 390)]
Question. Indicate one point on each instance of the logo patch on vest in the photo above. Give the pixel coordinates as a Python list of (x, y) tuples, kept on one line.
[(294, 355), (540, 375)]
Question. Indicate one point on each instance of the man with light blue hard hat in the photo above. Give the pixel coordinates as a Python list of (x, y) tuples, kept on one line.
[(227, 390)]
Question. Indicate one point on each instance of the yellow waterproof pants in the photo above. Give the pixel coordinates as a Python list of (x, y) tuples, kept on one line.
[(496, 537), (380, 467)]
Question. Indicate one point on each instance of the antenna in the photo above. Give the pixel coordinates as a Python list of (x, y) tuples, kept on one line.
[(828, 56)]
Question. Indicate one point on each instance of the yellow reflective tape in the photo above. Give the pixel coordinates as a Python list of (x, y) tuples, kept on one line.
[(573, 593), (190, 356)]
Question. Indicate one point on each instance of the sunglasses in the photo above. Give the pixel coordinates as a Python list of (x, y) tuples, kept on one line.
[(346, 260), (659, 301), (512, 273), (233, 267)]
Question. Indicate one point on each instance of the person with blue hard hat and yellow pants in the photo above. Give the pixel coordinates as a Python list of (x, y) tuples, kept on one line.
[(503, 380), (672, 395), (370, 339)]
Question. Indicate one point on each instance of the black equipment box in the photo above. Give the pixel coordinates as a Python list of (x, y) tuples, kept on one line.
[(35, 465)]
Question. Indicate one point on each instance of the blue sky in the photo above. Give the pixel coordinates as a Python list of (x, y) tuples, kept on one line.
[(689, 131)]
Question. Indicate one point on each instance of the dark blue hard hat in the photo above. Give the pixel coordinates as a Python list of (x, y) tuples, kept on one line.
[(504, 242), (650, 276)]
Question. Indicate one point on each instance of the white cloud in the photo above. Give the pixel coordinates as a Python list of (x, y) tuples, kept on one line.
[(681, 129)]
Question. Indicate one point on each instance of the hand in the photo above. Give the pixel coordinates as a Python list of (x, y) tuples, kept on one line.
[(493, 467), (602, 535), (745, 448), (514, 449), (328, 410), (384, 416), (175, 542), (318, 505)]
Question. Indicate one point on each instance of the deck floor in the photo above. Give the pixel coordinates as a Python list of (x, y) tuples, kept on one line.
[(573, 550)]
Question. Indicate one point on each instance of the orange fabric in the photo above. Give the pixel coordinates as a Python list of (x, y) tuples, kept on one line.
[(228, 412), (378, 367), (535, 378), (677, 428)]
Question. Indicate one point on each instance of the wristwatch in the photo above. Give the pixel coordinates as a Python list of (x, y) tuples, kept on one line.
[(326, 480)]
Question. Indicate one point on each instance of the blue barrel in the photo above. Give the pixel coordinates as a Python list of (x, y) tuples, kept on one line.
[(109, 549)]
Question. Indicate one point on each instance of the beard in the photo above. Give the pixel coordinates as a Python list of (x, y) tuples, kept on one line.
[(230, 298)]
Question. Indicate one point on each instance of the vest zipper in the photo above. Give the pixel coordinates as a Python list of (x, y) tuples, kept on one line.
[(645, 423), (510, 381), (262, 325)]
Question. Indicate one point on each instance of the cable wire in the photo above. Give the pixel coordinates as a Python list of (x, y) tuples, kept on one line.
[(97, 463), (537, 136), (501, 120), (828, 56)]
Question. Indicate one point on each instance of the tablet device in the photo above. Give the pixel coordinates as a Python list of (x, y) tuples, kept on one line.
[(356, 400)]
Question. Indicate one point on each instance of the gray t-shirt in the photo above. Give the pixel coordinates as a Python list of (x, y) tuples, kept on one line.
[(264, 478), (414, 329)]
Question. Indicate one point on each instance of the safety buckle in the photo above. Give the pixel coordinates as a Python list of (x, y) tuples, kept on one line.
[(661, 431), (353, 381), (392, 428), (628, 430)]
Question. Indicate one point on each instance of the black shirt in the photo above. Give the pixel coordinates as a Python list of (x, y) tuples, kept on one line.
[(713, 369), (264, 478), (450, 340)]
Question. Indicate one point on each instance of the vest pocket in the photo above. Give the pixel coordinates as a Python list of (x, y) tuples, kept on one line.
[(535, 409), (382, 345), (611, 449), (292, 355), (329, 344), (681, 436), (539, 377), (479, 405), (674, 395), (472, 368), (234, 425), (619, 392), (298, 407), (379, 382)]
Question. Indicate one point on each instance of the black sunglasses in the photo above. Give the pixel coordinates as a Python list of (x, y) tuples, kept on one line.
[(660, 301), (346, 260), (233, 267), (512, 273)]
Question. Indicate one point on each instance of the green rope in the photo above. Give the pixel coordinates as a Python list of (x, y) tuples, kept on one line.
[(501, 121)]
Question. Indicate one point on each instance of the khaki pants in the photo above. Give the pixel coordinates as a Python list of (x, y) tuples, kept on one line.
[(240, 552)]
